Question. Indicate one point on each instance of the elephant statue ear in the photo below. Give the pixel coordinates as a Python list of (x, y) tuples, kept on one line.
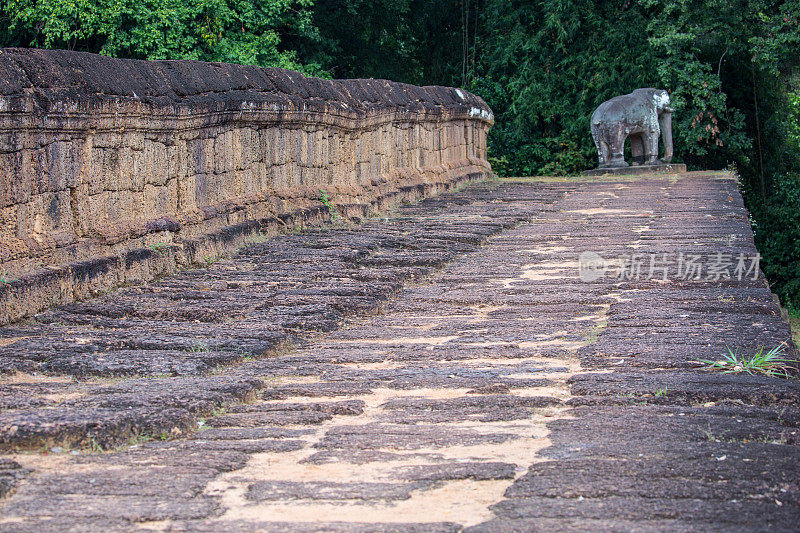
[(662, 101)]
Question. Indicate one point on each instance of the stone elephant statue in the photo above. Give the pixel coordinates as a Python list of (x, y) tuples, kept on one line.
[(641, 116)]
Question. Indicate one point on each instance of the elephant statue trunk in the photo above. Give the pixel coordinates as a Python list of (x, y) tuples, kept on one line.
[(665, 123)]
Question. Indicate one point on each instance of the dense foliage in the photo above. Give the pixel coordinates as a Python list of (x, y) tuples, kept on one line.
[(543, 66), (238, 31), (404, 40)]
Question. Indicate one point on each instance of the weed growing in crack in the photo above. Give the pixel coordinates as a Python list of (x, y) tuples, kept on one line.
[(138, 440), (218, 369), (159, 247), (780, 420), (143, 438), (95, 446), (258, 237), (219, 411), (198, 347), (635, 399), (246, 355), (772, 363), (596, 330), (660, 393), (293, 229), (326, 201)]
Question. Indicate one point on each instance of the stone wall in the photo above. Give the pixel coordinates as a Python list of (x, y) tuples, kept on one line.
[(116, 171)]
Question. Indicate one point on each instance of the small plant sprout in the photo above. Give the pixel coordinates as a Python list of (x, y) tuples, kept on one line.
[(772, 363), (159, 247), (94, 445), (326, 201), (198, 347), (660, 393)]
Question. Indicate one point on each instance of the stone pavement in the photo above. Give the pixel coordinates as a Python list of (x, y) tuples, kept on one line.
[(439, 370)]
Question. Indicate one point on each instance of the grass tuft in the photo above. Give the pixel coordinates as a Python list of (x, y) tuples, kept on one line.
[(197, 347), (771, 363), (5, 278)]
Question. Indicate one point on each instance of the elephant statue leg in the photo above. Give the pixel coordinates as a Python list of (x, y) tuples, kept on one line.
[(637, 148), (650, 147), (617, 136), (602, 148)]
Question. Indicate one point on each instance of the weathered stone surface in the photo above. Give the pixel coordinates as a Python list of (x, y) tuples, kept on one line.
[(487, 408), (252, 433), (405, 437), (290, 490), (451, 471), (313, 527), (347, 407), (500, 393), (115, 171), (10, 473), (361, 457), (687, 388), (130, 508), (61, 525), (258, 301), (186, 483)]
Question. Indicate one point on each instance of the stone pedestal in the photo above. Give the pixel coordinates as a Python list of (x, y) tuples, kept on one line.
[(673, 168)]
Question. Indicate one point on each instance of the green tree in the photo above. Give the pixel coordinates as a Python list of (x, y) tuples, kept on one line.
[(414, 41), (238, 31), (726, 64), (731, 66), (544, 66)]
